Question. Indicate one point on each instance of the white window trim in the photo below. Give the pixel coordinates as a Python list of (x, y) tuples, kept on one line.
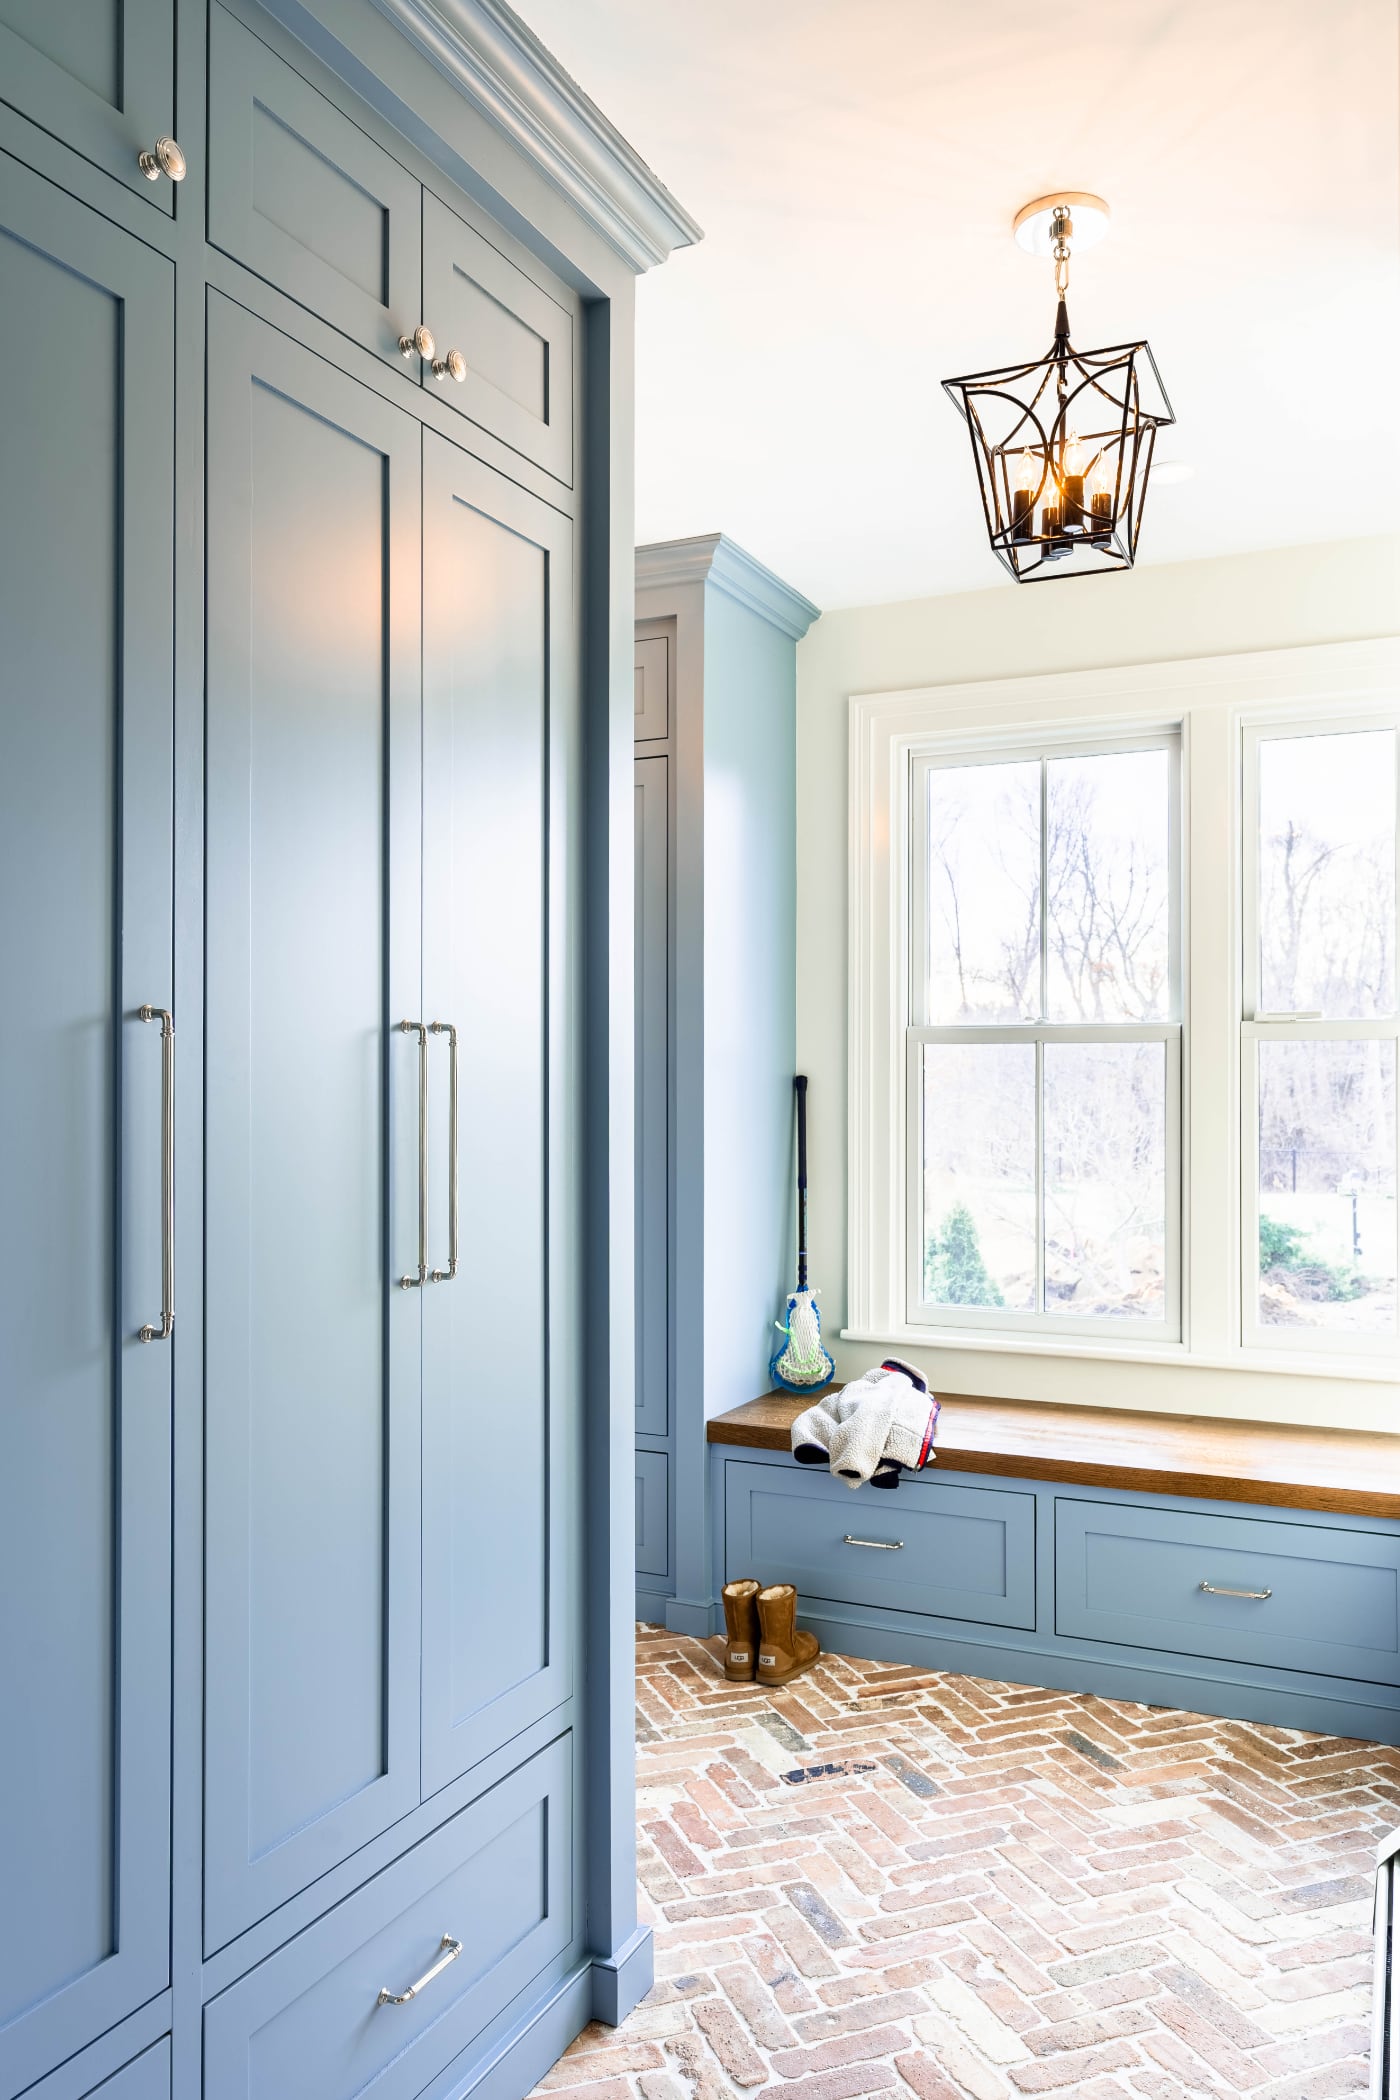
[(1211, 701)]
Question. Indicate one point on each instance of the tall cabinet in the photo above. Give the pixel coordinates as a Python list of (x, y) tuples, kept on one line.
[(316, 915), (715, 814)]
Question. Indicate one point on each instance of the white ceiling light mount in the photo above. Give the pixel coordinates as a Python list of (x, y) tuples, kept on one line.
[(1063, 443), (1034, 224)]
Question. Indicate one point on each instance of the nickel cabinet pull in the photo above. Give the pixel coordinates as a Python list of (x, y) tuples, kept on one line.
[(166, 1327), (446, 1028), (1255, 1596), (448, 1951), (412, 1283), (877, 1545)]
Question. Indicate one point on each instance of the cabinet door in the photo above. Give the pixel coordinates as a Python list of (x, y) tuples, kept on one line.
[(311, 1119), (653, 1252), (517, 341), (500, 947), (98, 74), (85, 939)]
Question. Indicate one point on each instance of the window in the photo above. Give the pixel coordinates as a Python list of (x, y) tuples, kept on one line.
[(1318, 1056), (1044, 1038)]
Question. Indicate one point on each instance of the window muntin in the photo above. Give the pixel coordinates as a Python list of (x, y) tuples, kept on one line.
[(1320, 1036), (1044, 1041)]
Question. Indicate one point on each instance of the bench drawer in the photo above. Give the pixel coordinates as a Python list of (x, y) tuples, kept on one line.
[(1154, 1578), (951, 1552), (308, 2021), (306, 200)]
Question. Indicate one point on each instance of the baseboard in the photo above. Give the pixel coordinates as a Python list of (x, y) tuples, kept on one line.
[(694, 1615), (1158, 1681), (529, 2049), (651, 1605), (622, 1980)]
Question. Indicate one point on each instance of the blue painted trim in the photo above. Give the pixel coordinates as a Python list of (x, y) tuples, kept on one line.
[(621, 1980), (712, 557), (651, 1605), (693, 1615), (530, 2048)]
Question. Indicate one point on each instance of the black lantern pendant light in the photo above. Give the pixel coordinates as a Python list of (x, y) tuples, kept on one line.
[(1063, 444)]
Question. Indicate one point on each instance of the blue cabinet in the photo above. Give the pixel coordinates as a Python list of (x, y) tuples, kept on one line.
[(86, 846), (97, 74)]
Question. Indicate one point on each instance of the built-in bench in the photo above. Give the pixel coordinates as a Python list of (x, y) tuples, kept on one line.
[(1233, 1568)]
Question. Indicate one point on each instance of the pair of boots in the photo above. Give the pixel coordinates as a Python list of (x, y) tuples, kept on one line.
[(763, 1642)]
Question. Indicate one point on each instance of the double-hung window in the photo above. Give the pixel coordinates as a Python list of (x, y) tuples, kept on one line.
[(1320, 1031), (1043, 1066)]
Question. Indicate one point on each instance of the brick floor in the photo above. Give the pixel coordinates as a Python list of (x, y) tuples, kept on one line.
[(1000, 1892)]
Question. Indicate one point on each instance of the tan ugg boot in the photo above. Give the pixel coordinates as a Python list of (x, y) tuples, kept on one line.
[(784, 1650), (741, 1631)]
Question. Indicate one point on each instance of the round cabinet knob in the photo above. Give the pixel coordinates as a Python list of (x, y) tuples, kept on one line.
[(453, 366), (164, 158), (421, 342)]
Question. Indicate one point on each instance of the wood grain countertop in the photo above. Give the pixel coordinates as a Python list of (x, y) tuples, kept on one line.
[(1349, 1472)]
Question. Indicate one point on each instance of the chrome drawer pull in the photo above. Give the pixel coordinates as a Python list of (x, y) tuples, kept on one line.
[(1255, 1596), (448, 1952), (163, 1332), (878, 1545), (412, 1283), (448, 1029)]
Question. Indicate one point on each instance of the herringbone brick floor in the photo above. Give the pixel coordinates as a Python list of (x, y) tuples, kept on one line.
[(990, 1892)]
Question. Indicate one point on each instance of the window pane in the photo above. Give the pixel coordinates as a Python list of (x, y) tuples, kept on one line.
[(1327, 874), (984, 892), (1327, 1185), (1108, 887), (979, 1174), (1105, 1179)]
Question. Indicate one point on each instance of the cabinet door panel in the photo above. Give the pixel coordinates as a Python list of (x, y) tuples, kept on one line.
[(98, 74), (501, 1338), (85, 939), (306, 199), (313, 954), (517, 341), (653, 1085)]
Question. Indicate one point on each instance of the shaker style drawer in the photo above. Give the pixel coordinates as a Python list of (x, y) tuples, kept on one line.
[(517, 344), (100, 76), (1294, 1596), (952, 1552), (317, 2020), (653, 1503), (305, 199)]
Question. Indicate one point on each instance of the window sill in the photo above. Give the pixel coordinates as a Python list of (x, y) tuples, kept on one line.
[(1288, 1363)]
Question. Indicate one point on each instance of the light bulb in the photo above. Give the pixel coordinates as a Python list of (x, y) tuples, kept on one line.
[(1028, 474), (1101, 475), (1073, 462)]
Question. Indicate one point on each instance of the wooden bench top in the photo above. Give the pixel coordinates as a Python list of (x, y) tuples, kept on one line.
[(1349, 1472)]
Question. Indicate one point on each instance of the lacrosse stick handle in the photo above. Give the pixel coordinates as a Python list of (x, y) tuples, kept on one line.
[(800, 1088)]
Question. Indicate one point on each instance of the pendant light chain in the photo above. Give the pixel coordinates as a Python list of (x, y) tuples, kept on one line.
[(1062, 227)]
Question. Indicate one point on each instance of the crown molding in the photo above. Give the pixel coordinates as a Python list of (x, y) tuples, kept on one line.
[(713, 558), (500, 66)]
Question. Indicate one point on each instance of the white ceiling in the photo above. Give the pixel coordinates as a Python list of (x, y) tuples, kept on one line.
[(856, 165)]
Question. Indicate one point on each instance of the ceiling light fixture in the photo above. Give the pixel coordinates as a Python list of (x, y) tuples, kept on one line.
[(1063, 444)]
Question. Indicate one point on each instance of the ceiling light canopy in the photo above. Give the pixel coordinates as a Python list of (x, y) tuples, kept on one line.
[(1063, 444)]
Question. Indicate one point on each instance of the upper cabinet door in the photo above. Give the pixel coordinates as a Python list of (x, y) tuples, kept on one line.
[(86, 695), (502, 1337), (311, 1119), (98, 74), (306, 199), (517, 342), (651, 1012)]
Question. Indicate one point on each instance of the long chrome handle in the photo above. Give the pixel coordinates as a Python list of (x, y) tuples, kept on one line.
[(877, 1545), (446, 1028), (1255, 1596), (448, 1952), (163, 1332), (412, 1283)]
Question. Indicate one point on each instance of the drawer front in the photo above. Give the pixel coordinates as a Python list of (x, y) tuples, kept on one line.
[(100, 76), (303, 197), (651, 680), (518, 342), (146, 2079), (953, 1552), (653, 1503), (1139, 1577), (308, 2021)]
